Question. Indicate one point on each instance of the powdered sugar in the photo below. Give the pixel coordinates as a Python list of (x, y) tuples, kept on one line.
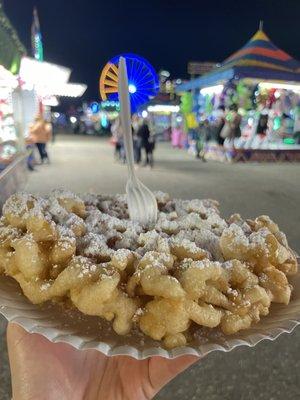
[(45, 286), (238, 235), (106, 231)]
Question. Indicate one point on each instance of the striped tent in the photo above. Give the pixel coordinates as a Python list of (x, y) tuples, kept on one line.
[(260, 52), (258, 60)]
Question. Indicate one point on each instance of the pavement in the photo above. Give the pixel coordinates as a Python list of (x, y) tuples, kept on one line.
[(271, 370)]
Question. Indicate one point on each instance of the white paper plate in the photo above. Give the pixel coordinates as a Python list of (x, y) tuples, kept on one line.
[(85, 332)]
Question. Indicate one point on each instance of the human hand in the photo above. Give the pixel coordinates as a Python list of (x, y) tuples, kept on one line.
[(42, 370)]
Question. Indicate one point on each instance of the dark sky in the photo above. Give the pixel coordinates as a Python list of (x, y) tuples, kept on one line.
[(85, 34)]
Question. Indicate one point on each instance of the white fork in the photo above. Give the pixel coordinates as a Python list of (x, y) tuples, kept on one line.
[(142, 204)]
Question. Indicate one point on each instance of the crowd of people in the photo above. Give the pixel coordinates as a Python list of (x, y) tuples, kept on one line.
[(143, 141), (225, 129)]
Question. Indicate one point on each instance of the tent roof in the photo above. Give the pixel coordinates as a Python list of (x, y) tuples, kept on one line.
[(261, 52), (259, 59)]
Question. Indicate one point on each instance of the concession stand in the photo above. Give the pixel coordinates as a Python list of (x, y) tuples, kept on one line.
[(263, 82)]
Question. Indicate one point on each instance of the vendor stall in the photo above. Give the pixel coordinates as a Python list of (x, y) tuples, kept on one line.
[(49, 81), (27, 87), (162, 113), (263, 83), (12, 157), (9, 141)]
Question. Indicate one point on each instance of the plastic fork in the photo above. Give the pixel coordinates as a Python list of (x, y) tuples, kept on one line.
[(142, 204)]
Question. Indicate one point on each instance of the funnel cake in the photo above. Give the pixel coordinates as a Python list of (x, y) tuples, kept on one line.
[(192, 268)]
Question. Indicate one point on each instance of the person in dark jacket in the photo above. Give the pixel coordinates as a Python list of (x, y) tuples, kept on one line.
[(219, 124), (262, 125), (147, 142)]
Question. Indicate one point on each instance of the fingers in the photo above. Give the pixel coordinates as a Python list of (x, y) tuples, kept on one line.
[(33, 357), (15, 337)]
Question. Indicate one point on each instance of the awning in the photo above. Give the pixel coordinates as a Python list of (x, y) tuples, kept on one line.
[(211, 79), (64, 90), (41, 73), (49, 79), (7, 79)]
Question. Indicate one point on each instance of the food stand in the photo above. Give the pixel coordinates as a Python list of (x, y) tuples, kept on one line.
[(263, 82), (162, 112), (12, 156), (9, 143), (26, 86)]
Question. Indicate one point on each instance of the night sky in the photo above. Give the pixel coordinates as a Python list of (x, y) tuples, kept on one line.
[(85, 34)]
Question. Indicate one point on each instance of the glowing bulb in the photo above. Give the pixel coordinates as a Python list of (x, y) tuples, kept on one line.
[(73, 120), (250, 121), (277, 94), (131, 88), (104, 121), (144, 114)]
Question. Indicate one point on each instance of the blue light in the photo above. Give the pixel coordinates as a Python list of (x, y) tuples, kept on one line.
[(131, 88), (95, 107), (104, 121), (142, 78)]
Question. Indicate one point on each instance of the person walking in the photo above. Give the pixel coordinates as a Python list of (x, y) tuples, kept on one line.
[(117, 136), (231, 129), (41, 132), (149, 153), (137, 141), (176, 137), (219, 124), (203, 134), (29, 143), (147, 142), (235, 122)]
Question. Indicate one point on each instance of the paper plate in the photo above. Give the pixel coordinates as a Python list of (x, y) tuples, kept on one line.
[(84, 332)]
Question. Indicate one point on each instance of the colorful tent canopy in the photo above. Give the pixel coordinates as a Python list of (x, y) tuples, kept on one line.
[(259, 59), (262, 53)]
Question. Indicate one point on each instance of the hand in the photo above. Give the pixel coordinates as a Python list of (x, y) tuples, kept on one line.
[(42, 370)]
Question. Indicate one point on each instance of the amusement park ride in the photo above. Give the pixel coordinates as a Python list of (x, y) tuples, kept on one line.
[(142, 78)]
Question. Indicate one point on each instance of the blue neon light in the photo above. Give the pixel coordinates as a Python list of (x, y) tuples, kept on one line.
[(142, 78)]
